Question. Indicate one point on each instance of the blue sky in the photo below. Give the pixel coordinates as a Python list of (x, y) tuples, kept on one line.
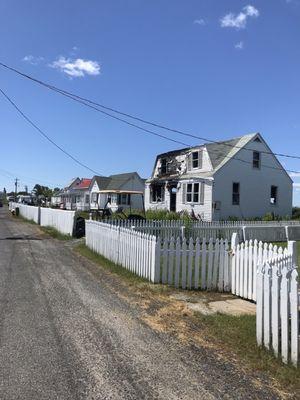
[(218, 69)]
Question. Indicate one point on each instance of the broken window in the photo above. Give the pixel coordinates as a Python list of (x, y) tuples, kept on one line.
[(256, 159), (163, 167), (157, 193), (235, 193), (274, 192)]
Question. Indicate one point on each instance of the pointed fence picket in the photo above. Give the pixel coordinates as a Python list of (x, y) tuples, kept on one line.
[(186, 264), (277, 313), (193, 264), (246, 257)]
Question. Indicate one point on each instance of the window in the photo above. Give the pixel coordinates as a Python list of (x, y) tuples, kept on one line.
[(195, 193), (124, 199), (157, 193), (256, 159), (163, 167), (195, 159), (87, 199), (95, 197), (274, 195), (235, 193)]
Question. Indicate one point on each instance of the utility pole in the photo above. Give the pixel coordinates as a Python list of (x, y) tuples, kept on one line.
[(16, 188), (26, 189)]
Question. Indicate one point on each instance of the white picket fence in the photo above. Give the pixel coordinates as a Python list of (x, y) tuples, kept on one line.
[(193, 264), (277, 313), (269, 231), (185, 264), (246, 257), (61, 220), (28, 212), (132, 250)]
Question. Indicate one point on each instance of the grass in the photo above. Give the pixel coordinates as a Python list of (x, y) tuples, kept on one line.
[(238, 335), (54, 233), (46, 229), (234, 335), (129, 278)]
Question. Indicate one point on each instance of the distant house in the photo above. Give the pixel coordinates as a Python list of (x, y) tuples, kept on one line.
[(121, 191), (239, 178), (75, 196)]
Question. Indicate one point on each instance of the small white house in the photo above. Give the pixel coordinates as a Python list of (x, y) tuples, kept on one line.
[(238, 178), (121, 191), (75, 196)]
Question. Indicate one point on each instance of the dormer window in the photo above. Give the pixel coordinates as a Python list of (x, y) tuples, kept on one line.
[(163, 167), (256, 159), (196, 159)]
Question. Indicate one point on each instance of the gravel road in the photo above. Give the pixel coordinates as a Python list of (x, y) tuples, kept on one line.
[(66, 334)]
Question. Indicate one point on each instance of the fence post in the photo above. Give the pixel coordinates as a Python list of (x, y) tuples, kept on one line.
[(233, 245), (244, 233), (259, 304), (287, 232), (292, 249), (182, 229)]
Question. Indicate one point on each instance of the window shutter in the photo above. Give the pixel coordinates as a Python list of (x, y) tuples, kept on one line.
[(200, 158), (189, 162), (202, 193), (183, 193)]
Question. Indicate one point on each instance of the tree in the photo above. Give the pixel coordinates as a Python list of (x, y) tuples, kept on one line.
[(42, 191)]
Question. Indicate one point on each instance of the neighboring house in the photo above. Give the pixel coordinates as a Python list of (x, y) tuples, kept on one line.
[(121, 191), (74, 196), (239, 178), (56, 199)]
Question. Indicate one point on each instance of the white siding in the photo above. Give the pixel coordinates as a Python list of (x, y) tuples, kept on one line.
[(255, 186), (203, 210)]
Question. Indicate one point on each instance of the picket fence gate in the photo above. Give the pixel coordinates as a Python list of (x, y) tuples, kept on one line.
[(246, 257), (187, 264), (190, 264), (277, 309)]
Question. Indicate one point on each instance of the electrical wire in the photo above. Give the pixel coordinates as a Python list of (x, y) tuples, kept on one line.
[(75, 96), (44, 134)]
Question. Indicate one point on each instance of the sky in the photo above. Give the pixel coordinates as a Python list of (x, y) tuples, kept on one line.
[(216, 69)]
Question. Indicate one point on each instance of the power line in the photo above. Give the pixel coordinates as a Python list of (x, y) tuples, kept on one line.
[(44, 134), (85, 100), (73, 97)]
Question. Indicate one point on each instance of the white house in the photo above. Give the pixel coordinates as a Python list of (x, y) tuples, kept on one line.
[(121, 191), (239, 178), (75, 196)]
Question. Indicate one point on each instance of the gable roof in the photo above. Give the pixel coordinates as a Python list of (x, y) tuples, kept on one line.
[(114, 182), (84, 183)]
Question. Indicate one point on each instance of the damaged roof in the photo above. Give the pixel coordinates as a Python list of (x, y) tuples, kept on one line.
[(219, 152)]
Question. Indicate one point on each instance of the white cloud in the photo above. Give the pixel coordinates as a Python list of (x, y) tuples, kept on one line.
[(239, 21), (200, 21), (239, 45), (76, 68), (296, 186), (295, 174), (33, 60)]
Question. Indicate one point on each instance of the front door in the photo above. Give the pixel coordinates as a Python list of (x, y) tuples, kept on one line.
[(173, 192)]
